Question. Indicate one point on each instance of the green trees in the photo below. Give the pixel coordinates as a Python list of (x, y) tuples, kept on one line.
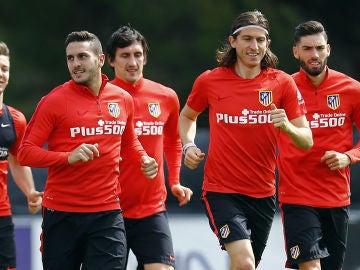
[(183, 36)]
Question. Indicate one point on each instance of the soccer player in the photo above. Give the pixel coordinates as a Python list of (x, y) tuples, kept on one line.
[(314, 185), (87, 123), (12, 129), (156, 123), (250, 103)]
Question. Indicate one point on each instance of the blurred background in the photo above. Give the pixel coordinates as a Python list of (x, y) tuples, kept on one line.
[(183, 36)]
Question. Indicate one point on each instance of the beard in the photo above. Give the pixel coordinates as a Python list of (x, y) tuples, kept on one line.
[(313, 71)]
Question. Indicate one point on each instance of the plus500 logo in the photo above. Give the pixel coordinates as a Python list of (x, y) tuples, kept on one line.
[(149, 130), (102, 130), (243, 119), (327, 120)]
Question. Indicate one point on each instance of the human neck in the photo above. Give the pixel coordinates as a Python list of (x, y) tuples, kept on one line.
[(318, 79), (247, 72)]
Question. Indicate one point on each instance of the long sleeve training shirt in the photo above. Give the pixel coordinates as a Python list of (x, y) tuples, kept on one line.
[(156, 123), (67, 117), (332, 110)]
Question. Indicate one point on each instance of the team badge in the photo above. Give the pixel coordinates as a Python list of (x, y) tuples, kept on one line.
[(295, 252), (225, 231), (265, 97), (333, 101), (114, 109), (154, 109)]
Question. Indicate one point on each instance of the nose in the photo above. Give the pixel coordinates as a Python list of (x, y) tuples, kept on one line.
[(76, 62), (314, 53), (254, 44), (132, 60)]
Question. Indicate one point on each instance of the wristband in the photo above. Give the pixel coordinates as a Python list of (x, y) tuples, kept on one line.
[(186, 146)]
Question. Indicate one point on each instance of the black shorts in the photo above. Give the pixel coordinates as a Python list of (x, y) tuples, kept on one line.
[(93, 240), (7, 244), (235, 217), (150, 239), (315, 233)]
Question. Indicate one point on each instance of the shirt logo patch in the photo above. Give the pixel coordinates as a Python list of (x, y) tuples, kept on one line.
[(154, 109), (114, 109), (295, 252), (265, 97), (225, 231), (333, 101)]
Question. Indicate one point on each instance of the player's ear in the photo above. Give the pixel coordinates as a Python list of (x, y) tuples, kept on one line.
[(328, 49), (295, 52)]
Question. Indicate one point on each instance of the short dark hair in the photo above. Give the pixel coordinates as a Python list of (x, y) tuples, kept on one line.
[(123, 37), (309, 28), (81, 36)]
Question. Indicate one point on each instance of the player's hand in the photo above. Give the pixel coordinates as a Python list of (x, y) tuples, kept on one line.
[(34, 201), (183, 194), (149, 167), (85, 152), (279, 118), (193, 157), (335, 160)]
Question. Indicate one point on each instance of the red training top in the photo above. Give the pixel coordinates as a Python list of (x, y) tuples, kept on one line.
[(242, 151), (332, 108), (156, 123), (67, 117), (20, 126)]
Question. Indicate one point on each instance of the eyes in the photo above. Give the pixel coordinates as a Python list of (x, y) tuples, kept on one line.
[(259, 40), (4, 69), (81, 56), (317, 48), (137, 55)]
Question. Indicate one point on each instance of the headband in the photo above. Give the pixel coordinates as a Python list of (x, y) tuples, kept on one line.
[(250, 26)]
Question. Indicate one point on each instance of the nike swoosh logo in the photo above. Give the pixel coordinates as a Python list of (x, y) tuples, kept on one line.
[(4, 125), (222, 98), (81, 113)]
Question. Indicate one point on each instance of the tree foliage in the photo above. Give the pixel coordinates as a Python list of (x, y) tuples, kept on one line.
[(183, 37)]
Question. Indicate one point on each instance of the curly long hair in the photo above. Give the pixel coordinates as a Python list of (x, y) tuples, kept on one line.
[(226, 56)]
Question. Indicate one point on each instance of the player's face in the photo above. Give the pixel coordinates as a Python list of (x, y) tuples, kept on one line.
[(129, 62), (251, 45), (4, 72), (83, 64), (312, 51)]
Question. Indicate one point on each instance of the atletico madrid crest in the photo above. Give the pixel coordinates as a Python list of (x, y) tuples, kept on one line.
[(225, 231), (154, 109), (333, 101), (295, 252), (265, 97), (114, 109)]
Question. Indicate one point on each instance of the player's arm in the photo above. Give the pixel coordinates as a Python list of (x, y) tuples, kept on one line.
[(297, 129), (354, 152), (182, 193), (335, 160), (187, 130), (24, 180), (131, 146), (173, 155), (300, 133)]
